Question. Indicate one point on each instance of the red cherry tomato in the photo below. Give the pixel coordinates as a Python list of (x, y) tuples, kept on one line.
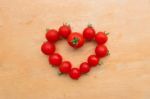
[(55, 59), (84, 67), (75, 40), (89, 33), (101, 38), (74, 73), (65, 67), (101, 50), (93, 60), (52, 35), (48, 48), (64, 31)]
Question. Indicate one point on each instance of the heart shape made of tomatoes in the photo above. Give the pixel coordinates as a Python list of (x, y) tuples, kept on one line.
[(75, 40)]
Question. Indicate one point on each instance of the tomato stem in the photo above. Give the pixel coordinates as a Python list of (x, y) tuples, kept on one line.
[(90, 25), (47, 29), (85, 73), (75, 41), (65, 23), (107, 33), (108, 53), (60, 73), (100, 63)]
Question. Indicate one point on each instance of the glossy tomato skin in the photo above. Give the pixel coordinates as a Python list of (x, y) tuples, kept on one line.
[(84, 67), (93, 60), (101, 50), (65, 67), (75, 73), (48, 48), (52, 35), (55, 59), (101, 38), (75, 40), (89, 33), (64, 30)]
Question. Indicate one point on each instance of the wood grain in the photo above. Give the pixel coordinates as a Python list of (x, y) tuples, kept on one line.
[(26, 74)]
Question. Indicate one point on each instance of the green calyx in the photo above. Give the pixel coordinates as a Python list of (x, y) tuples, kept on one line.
[(66, 24), (60, 73), (108, 53), (100, 63), (75, 41), (107, 33), (90, 25), (47, 29)]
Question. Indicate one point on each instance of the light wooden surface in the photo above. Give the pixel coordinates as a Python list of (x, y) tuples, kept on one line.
[(26, 74)]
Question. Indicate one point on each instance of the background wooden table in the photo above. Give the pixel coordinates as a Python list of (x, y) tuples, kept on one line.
[(26, 74)]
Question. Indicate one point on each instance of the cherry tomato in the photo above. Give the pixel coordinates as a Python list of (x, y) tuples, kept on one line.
[(84, 67), (75, 40), (52, 35), (55, 59), (65, 67), (74, 73), (101, 38), (48, 48), (89, 33), (93, 60), (101, 50), (64, 31)]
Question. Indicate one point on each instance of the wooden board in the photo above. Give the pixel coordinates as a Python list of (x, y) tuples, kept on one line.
[(26, 74)]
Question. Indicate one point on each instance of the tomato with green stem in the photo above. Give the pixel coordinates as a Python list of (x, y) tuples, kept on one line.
[(101, 37), (65, 67), (55, 59), (48, 48), (89, 32), (93, 60), (52, 35), (75, 40), (101, 50), (75, 73), (84, 67), (64, 30)]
